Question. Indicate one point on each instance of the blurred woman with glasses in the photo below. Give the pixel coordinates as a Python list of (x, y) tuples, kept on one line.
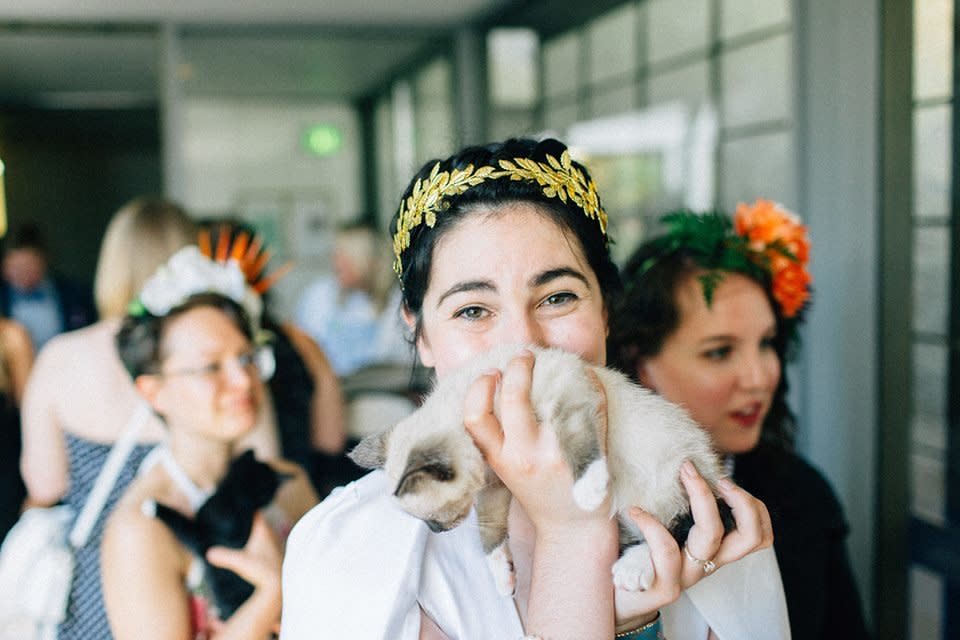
[(192, 344)]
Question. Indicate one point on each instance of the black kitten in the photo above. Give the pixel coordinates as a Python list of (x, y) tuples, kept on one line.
[(226, 519)]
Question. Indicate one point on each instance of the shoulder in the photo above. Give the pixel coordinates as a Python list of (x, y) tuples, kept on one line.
[(355, 538), (78, 347), (361, 515), (132, 533), (14, 335)]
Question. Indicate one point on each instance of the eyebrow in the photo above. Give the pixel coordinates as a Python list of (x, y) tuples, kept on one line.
[(560, 272), (469, 285)]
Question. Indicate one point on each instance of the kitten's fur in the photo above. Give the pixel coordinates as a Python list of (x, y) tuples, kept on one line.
[(437, 473)]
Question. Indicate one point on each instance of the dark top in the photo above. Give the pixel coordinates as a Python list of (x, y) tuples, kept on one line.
[(12, 489), (809, 539), (292, 388)]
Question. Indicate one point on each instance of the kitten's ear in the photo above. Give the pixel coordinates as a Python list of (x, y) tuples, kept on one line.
[(371, 453), (424, 465)]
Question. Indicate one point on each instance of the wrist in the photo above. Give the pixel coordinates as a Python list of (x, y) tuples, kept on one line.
[(650, 629)]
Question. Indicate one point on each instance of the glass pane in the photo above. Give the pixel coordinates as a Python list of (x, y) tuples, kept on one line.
[(738, 17), (932, 48), (690, 84), (929, 397), (613, 102), (512, 67), (757, 83), (927, 450), (758, 167), (558, 117), (612, 44), (931, 260), (926, 604), (676, 27), (931, 161), (561, 64)]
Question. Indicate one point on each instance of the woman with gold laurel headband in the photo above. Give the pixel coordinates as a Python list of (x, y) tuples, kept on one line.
[(504, 244)]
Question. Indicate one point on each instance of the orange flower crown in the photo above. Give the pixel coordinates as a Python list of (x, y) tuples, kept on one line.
[(763, 241), (244, 248)]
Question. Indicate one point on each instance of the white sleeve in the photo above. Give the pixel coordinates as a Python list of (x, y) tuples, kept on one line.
[(352, 568), (741, 601)]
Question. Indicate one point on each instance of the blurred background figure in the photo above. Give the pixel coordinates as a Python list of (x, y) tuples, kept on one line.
[(353, 314), (43, 302), (16, 358), (304, 391), (195, 350)]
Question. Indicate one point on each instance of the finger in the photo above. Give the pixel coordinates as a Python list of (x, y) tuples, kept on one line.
[(706, 534), (602, 423), (753, 530), (516, 413), (664, 551), (478, 417)]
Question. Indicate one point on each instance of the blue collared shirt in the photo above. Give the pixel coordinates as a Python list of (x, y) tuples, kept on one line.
[(38, 310)]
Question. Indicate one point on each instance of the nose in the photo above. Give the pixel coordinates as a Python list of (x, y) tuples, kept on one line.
[(756, 370), (523, 328)]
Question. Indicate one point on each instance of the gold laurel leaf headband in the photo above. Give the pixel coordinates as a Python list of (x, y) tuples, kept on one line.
[(558, 178)]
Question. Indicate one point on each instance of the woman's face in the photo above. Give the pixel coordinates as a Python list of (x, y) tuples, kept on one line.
[(509, 276), (720, 363), (209, 382)]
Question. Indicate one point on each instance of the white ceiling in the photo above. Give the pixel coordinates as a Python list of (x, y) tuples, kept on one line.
[(105, 53)]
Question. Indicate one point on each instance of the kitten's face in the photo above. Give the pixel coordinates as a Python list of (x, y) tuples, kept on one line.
[(434, 477)]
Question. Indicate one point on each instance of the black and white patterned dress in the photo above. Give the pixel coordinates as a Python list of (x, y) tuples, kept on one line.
[(86, 613)]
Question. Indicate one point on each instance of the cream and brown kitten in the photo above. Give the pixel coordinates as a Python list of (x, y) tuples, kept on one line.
[(437, 474)]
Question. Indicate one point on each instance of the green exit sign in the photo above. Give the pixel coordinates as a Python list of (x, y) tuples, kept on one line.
[(322, 140)]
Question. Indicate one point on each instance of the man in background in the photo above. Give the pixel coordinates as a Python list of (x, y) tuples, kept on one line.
[(44, 303)]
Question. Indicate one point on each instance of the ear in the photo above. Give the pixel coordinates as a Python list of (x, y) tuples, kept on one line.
[(371, 453), (149, 386), (423, 346)]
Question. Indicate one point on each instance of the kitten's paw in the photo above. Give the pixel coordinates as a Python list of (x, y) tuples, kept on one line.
[(634, 570), (501, 566), (590, 490)]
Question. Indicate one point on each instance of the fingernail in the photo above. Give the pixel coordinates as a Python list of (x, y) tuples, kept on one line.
[(636, 512), (492, 372), (725, 484), (687, 469)]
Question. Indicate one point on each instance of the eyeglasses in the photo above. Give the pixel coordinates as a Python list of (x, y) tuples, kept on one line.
[(259, 360)]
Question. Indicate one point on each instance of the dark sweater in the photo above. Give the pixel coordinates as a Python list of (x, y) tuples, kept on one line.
[(809, 539)]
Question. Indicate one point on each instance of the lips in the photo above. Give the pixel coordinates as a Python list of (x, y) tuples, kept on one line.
[(748, 416)]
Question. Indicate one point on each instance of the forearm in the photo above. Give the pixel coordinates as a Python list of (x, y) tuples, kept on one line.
[(571, 590)]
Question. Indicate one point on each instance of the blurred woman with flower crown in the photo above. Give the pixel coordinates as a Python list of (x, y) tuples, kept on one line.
[(193, 549), (710, 312)]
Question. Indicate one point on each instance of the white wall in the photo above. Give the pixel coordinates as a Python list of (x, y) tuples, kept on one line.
[(246, 157)]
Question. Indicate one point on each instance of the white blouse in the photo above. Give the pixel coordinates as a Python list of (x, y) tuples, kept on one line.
[(359, 567)]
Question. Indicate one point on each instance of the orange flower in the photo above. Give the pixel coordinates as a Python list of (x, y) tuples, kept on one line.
[(769, 229), (791, 288)]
